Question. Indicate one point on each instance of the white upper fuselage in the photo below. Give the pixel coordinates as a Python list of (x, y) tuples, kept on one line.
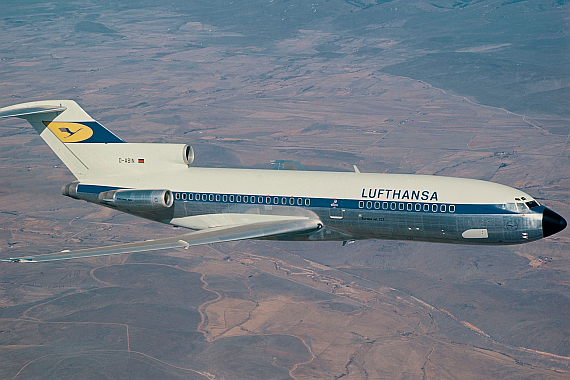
[(316, 184)]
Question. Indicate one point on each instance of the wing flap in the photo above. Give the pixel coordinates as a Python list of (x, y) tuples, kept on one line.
[(212, 235)]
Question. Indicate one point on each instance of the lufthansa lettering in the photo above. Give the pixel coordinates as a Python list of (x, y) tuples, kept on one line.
[(411, 195)]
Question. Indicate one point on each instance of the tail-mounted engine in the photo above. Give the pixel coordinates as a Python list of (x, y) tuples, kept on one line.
[(124, 199), (138, 200)]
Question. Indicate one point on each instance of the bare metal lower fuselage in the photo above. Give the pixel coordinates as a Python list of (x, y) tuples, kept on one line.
[(346, 224)]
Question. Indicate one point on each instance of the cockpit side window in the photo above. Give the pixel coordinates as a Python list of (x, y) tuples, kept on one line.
[(532, 204), (510, 207), (521, 207)]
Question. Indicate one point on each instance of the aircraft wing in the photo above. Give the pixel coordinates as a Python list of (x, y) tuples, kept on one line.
[(211, 235)]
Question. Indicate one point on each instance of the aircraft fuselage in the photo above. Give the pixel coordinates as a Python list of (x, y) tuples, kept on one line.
[(360, 206)]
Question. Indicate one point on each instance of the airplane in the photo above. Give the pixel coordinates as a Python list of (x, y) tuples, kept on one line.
[(158, 182)]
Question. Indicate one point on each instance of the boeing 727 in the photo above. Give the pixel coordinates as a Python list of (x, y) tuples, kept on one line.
[(158, 182)]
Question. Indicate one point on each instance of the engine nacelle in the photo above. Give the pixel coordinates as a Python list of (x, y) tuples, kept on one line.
[(138, 200), (70, 190), (187, 154)]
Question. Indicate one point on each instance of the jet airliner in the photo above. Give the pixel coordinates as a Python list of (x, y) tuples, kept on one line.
[(158, 182)]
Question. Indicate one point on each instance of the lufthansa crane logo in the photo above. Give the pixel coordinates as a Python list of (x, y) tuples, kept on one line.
[(69, 132)]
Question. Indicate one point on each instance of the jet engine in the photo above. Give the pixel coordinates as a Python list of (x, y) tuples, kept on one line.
[(138, 200), (187, 154)]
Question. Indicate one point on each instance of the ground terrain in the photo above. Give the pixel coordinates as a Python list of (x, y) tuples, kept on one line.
[(467, 89)]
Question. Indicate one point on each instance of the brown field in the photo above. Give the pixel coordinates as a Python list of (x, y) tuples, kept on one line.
[(268, 310)]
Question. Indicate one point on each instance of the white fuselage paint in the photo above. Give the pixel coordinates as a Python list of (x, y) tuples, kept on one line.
[(315, 184)]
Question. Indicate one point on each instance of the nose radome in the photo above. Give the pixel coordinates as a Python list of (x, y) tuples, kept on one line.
[(552, 222)]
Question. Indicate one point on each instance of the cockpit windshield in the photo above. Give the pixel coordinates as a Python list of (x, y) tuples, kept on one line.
[(520, 206)]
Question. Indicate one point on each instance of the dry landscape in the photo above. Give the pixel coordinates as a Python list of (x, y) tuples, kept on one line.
[(330, 85)]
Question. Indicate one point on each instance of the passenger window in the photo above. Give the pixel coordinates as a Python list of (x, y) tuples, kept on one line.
[(184, 196), (418, 207), (451, 208), (393, 206), (299, 202), (204, 197), (409, 207), (401, 206), (275, 201), (238, 198), (426, 207), (268, 200), (218, 197), (385, 205), (442, 208), (224, 198), (291, 201), (307, 202), (231, 198), (434, 208), (360, 204), (211, 197), (190, 196), (283, 201), (376, 205), (259, 199), (369, 204), (245, 199), (177, 196)]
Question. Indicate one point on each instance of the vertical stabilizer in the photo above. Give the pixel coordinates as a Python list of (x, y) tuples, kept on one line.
[(62, 124)]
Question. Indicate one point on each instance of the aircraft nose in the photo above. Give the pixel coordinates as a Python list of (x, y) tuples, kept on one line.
[(552, 222)]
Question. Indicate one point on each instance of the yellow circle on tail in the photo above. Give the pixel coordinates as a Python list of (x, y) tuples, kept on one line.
[(69, 132)]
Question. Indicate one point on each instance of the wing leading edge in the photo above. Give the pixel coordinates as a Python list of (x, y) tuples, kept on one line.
[(212, 235)]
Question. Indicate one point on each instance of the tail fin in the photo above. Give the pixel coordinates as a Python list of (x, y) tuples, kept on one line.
[(61, 123), (89, 150)]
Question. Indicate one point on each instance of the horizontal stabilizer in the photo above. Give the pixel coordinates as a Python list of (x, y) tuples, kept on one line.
[(21, 111), (212, 235)]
